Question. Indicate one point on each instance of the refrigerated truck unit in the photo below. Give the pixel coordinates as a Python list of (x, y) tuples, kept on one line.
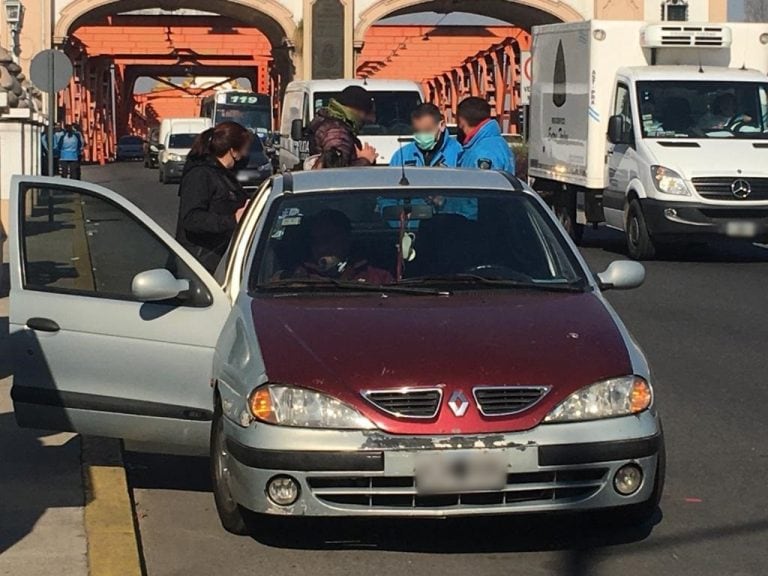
[(660, 183)]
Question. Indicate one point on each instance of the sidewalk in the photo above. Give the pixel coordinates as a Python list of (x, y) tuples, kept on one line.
[(42, 529)]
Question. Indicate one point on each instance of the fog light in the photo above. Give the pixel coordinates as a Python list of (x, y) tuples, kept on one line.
[(628, 479), (283, 490), (670, 212)]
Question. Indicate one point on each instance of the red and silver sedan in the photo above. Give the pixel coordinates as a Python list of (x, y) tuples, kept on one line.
[(374, 344)]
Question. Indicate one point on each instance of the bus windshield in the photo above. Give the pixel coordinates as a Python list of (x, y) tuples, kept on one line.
[(392, 111), (701, 109), (254, 117)]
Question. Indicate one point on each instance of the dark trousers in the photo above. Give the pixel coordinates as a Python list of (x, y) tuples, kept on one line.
[(70, 169)]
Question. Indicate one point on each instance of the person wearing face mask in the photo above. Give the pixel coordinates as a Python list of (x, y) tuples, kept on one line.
[(480, 137), (211, 198), (432, 145), (329, 236)]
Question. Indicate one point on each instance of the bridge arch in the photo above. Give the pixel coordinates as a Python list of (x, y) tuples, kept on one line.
[(524, 13), (271, 16)]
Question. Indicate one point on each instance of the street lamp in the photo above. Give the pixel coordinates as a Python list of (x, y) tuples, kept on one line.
[(14, 13)]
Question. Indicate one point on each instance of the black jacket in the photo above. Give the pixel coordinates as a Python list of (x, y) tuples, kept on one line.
[(210, 195)]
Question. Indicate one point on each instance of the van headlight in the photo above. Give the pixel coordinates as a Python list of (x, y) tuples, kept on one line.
[(607, 399), (173, 157), (292, 406), (668, 181)]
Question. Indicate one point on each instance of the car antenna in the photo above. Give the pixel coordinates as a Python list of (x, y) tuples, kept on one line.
[(403, 178)]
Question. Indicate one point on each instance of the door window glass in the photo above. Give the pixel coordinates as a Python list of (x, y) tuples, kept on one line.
[(622, 107), (75, 242), (292, 109)]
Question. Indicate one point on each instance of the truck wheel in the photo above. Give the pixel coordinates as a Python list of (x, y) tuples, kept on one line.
[(566, 215), (639, 243), (231, 514)]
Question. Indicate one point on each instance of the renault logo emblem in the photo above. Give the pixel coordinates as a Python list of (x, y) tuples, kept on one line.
[(741, 188), (458, 403)]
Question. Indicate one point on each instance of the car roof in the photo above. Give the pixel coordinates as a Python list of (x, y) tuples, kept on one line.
[(380, 177)]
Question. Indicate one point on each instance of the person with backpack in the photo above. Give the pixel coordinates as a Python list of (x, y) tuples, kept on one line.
[(70, 149)]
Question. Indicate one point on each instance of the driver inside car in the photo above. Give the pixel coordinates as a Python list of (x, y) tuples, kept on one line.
[(330, 241)]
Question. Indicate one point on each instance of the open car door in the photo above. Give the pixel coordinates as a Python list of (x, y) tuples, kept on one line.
[(91, 354)]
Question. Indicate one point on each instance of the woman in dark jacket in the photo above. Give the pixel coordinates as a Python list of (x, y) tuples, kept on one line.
[(211, 197)]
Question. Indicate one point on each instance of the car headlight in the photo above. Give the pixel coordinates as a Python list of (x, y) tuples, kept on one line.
[(172, 157), (668, 181), (606, 399), (292, 406)]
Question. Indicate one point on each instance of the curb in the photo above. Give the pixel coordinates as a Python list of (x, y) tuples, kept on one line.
[(113, 543)]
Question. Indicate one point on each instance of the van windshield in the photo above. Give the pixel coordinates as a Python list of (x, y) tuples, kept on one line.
[(181, 140), (392, 110), (697, 109)]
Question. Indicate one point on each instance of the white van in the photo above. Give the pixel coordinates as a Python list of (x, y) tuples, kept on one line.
[(394, 100), (175, 141), (658, 130)]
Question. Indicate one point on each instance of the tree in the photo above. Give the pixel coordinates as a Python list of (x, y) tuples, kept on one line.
[(756, 10)]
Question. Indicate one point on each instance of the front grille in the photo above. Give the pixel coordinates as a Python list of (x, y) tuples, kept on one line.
[(406, 402), (559, 486), (720, 188), (505, 400)]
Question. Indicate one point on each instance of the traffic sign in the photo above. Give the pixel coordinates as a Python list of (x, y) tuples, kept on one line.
[(525, 78), (50, 70)]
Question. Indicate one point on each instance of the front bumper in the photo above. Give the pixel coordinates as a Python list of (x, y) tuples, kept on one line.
[(557, 467), (689, 219), (173, 170)]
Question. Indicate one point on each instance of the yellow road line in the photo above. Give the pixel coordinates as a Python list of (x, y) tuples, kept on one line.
[(113, 548)]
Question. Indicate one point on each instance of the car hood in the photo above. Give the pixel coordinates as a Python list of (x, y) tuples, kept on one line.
[(345, 345)]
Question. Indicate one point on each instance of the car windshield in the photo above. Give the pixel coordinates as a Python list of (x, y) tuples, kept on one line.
[(181, 140), (419, 239), (130, 140), (392, 111), (703, 109)]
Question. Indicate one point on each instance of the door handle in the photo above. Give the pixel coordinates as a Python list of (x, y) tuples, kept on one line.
[(42, 325)]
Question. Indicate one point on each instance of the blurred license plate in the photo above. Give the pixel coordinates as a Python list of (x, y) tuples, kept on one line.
[(460, 471), (741, 229)]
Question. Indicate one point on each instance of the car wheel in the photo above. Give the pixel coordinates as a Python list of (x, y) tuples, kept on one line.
[(566, 215), (639, 242), (231, 514)]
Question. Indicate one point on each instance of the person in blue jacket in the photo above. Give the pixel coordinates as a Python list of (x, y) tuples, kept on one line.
[(432, 144), (480, 136)]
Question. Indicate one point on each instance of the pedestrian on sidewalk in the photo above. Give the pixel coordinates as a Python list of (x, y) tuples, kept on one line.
[(212, 200), (480, 136), (70, 149)]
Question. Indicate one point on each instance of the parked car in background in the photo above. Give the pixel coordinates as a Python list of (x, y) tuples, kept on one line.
[(336, 366), (152, 148), (254, 169), (129, 148)]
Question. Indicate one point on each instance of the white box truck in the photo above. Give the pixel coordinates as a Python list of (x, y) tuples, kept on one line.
[(393, 100), (657, 129)]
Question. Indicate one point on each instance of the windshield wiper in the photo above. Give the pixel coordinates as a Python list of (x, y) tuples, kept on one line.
[(309, 284), (574, 286)]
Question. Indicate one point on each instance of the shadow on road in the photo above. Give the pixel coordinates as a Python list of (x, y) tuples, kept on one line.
[(717, 251)]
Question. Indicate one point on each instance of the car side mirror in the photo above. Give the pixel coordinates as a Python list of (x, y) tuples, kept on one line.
[(616, 130), (622, 275), (297, 129), (158, 284)]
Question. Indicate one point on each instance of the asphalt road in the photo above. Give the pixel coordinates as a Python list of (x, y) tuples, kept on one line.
[(701, 318)]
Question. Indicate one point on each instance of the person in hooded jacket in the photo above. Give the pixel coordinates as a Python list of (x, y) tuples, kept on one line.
[(335, 128), (480, 137), (211, 198), (432, 144)]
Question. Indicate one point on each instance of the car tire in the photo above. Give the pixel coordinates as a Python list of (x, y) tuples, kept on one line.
[(640, 245), (566, 215), (231, 514)]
